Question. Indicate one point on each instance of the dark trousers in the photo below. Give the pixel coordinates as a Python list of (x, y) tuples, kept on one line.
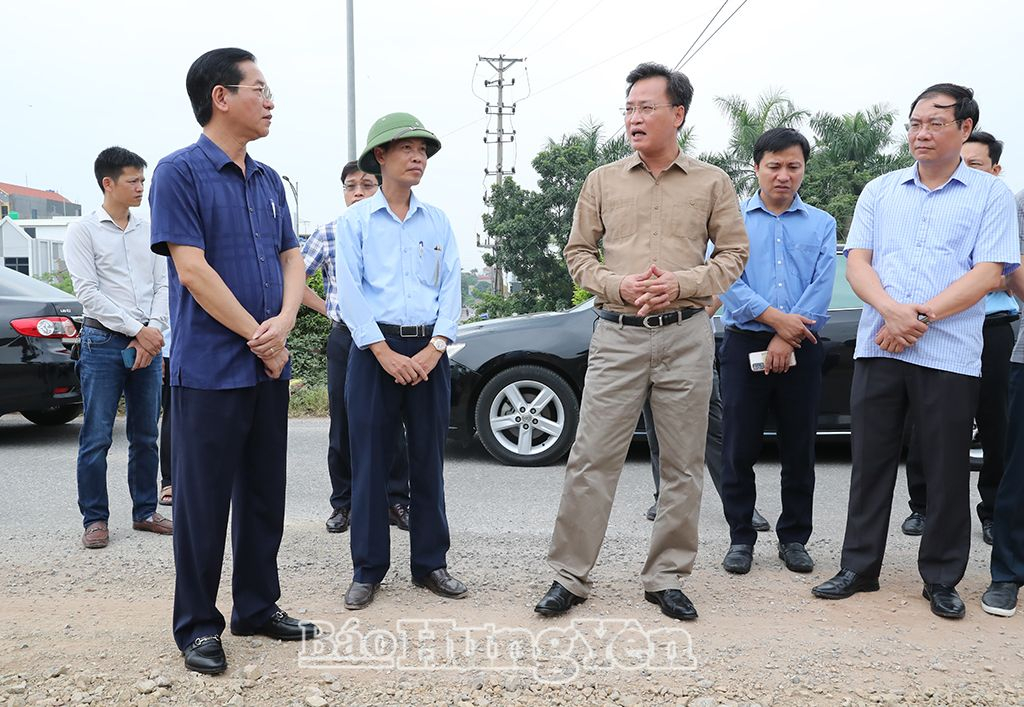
[(747, 398), (229, 453), (377, 408), (712, 442), (339, 459), (991, 420), (165, 426), (1008, 527), (941, 405)]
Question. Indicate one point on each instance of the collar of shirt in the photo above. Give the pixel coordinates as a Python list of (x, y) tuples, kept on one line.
[(378, 201), (962, 175), (755, 202), (103, 216), (681, 161), (220, 159)]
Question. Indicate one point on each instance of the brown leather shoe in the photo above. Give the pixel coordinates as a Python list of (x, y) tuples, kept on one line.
[(96, 535), (156, 523)]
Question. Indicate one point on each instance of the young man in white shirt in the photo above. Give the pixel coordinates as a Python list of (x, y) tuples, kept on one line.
[(122, 285)]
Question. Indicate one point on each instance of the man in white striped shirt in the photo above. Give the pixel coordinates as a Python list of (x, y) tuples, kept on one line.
[(925, 246), (122, 285)]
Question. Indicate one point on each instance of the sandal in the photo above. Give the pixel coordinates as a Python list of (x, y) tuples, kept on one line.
[(165, 495)]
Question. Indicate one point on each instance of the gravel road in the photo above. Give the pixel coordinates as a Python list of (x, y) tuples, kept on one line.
[(93, 627)]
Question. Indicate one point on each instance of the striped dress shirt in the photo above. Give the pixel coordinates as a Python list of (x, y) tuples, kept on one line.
[(924, 240)]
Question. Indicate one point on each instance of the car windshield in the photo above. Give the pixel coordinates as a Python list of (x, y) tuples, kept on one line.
[(843, 296)]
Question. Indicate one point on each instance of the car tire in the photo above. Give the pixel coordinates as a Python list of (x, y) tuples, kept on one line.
[(519, 437), (53, 416)]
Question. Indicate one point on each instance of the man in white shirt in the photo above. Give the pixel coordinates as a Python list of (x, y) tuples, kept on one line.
[(122, 285)]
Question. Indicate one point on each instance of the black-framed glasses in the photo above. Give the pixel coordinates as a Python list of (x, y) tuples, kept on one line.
[(265, 93)]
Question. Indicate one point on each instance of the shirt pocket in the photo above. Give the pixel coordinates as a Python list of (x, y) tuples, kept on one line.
[(688, 216), (619, 218), (431, 258)]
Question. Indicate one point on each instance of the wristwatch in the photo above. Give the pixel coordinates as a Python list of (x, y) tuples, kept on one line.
[(439, 344)]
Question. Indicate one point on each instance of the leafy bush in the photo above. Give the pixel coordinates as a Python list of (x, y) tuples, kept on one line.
[(308, 341)]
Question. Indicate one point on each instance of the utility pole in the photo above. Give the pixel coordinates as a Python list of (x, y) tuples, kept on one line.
[(350, 41), (295, 194), (499, 137)]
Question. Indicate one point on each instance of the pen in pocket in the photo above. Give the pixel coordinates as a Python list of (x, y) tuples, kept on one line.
[(437, 266), (273, 208)]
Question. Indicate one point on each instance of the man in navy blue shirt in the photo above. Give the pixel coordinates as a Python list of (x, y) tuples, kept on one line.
[(236, 279)]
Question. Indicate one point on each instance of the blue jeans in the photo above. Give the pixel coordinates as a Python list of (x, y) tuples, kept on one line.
[(103, 379)]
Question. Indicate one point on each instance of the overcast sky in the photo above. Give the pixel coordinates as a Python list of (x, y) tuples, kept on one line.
[(81, 75)]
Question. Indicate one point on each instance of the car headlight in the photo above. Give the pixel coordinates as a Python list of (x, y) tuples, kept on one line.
[(454, 349)]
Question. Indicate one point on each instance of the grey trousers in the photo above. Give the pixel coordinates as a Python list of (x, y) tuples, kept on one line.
[(671, 365)]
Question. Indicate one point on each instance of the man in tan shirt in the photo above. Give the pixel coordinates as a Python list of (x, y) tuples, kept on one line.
[(652, 214)]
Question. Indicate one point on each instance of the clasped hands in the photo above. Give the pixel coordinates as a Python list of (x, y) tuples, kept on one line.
[(406, 370), (902, 327), (652, 290), (148, 344), (270, 343)]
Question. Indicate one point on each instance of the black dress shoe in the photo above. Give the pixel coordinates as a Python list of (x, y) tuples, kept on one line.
[(673, 604), (557, 601), (339, 520), (205, 655), (758, 522), (845, 584), (282, 627), (914, 524), (360, 595), (796, 558), (945, 601), (738, 558), (398, 515), (652, 512), (442, 584), (986, 530)]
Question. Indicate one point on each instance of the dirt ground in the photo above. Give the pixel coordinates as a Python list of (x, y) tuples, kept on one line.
[(93, 627)]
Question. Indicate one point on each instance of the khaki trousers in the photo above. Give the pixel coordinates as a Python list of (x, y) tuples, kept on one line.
[(672, 363)]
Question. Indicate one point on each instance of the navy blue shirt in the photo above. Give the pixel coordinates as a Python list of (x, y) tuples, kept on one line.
[(199, 197)]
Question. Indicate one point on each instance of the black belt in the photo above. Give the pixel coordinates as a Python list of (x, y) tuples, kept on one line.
[(651, 321), (749, 332), (1001, 318), (97, 324), (408, 331), (339, 325)]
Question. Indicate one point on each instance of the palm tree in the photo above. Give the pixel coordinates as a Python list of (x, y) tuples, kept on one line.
[(772, 109), (863, 136)]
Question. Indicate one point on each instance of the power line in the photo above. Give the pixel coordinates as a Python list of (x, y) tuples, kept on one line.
[(537, 22), (519, 22), (569, 27), (714, 33), (697, 38)]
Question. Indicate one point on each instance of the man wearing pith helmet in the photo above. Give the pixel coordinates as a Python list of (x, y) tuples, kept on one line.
[(400, 285)]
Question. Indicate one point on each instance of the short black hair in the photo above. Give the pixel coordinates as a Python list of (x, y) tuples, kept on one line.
[(779, 139), (353, 166), (680, 90), (964, 106), (112, 161), (217, 67), (995, 147)]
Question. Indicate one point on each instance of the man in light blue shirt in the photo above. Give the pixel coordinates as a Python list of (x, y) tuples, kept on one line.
[(925, 246), (981, 151), (776, 308), (399, 283)]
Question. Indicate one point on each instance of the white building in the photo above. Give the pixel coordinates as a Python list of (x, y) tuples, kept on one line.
[(34, 246)]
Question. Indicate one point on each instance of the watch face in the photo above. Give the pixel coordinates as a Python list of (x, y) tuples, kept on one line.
[(439, 344)]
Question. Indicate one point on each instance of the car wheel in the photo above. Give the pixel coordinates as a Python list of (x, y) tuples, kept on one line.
[(527, 416), (53, 416)]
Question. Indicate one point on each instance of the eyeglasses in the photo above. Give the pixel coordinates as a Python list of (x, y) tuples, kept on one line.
[(265, 93), (365, 186), (645, 110), (932, 126)]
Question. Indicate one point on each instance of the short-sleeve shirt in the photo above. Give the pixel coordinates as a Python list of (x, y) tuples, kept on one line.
[(200, 198), (922, 240)]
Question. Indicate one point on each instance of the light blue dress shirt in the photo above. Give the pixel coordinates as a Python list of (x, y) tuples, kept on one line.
[(791, 267), (924, 240), (1000, 302), (391, 271)]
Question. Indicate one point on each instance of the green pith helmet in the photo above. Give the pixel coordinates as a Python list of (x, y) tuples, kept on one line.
[(394, 126)]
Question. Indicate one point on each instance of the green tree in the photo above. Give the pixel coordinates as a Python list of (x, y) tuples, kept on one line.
[(771, 110), (61, 279), (849, 151), (308, 340)]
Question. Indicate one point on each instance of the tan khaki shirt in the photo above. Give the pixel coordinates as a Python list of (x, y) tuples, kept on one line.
[(666, 221)]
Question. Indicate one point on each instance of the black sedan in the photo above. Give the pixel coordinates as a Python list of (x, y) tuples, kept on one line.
[(517, 382), (37, 331)]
